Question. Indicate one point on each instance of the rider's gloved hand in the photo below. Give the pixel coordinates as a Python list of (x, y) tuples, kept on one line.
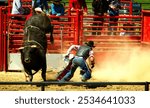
[(67, 56)]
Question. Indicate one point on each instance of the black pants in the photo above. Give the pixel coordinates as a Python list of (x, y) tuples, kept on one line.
[(99, 23), (113, 30)]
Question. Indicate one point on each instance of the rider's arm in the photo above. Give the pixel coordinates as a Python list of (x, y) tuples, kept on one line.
[(91, 59), (73, 47)]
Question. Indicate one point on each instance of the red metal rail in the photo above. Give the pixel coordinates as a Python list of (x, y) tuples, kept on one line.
[(3, 39)]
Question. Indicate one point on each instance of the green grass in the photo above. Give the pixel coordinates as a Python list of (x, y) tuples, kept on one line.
[(142, 1), (144, 6)]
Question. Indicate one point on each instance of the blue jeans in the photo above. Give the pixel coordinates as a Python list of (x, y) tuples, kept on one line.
[(78, 62)]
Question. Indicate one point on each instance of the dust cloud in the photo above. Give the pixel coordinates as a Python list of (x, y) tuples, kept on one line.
[(126, 66)]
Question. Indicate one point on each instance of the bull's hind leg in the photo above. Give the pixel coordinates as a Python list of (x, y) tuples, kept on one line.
[(43, 74)]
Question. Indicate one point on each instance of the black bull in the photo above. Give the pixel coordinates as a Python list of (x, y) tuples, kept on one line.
[(33, 51)]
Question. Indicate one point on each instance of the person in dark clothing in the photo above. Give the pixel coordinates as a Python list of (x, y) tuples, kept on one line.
[(18, 9), (114, 6), (57, 8), (41, 4), (82, 53), (99, 8)]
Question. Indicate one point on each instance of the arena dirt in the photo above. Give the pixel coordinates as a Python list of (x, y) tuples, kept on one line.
[(19, 76)]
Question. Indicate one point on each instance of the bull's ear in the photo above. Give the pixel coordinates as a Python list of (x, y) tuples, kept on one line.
[(33, 46)]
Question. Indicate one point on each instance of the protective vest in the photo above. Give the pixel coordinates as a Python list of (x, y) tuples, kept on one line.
[(83, 52)]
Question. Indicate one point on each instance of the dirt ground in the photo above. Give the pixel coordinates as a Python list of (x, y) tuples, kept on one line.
[(19, 76)]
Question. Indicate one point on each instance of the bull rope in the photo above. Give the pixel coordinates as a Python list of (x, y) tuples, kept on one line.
[(33, 41)]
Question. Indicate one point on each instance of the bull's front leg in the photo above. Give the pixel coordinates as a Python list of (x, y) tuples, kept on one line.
[(28, 75)]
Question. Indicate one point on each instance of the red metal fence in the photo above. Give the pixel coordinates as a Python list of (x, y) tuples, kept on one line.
[(43, 85), (72, 28)]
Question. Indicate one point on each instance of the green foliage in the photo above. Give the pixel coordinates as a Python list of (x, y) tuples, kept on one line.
[(145, 3), (142, 2)]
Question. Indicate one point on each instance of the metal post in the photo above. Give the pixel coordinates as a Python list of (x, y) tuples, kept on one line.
[(131, 9), (61, 36), (5, 51), (146, 86), (81, 38), (1, 41), (76, 38), (42, 87)]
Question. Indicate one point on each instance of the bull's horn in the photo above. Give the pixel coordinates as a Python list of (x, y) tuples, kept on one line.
[(20, 48), (33, 46)]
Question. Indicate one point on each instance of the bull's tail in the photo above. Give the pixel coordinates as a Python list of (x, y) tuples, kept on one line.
[(51, 35)]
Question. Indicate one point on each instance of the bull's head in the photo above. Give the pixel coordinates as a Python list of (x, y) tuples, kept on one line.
[(26, 52)]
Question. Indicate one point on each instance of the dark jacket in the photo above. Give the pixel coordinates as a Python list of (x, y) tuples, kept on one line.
[(42, 4), (115, 10), (100, 7)]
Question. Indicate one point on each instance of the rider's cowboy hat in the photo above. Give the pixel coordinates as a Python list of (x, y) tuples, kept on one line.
[(90, 43)]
